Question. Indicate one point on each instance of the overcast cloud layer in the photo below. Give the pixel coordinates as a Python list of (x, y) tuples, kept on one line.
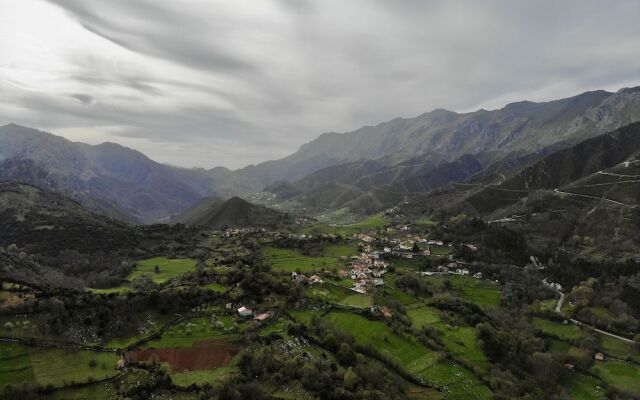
[(206, 83)]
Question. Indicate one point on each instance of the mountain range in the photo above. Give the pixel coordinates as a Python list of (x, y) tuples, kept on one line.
[(365, 170)]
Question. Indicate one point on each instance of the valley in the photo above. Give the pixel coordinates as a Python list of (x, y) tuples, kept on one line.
[(500, 272), (406, 310)]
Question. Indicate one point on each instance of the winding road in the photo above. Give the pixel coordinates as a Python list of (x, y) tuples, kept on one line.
[(576, 322)]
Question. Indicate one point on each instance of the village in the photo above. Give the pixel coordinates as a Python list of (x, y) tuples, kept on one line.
[(367, 269)]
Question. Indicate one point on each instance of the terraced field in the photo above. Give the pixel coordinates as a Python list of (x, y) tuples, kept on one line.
[(455, 380), (56, 367), (623, 376)]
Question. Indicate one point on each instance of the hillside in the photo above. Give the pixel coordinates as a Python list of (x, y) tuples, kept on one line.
[(563, 168), (45, 222), (233, 213), (583, 198)]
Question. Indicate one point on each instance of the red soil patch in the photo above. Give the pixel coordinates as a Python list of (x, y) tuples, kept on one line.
[(205, 354)]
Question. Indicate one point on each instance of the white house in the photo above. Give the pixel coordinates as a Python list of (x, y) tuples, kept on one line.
[(244, 311)]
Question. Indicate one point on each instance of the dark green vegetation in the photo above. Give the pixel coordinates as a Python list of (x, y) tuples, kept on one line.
[(169, 312)]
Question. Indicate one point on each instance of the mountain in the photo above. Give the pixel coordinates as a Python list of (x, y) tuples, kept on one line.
[(584, 198), (365, 170), (445, 136), (107, 178), (233, 213), (380, 166), (583, 164)]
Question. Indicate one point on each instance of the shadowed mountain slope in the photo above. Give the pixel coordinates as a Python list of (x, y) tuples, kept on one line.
[(233, 213)]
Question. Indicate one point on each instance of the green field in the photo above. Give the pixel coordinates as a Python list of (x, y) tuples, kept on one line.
[(15, 364), (339, 295), (582, 387), (124, 288), (289, 260), (201, 377), (453, 379), (216, 287), (422, 316), (169, 268), (477, 291), (425, 221), (617, 348), (56, 367), (557, 329), (96, 391), (621, 375), (192, 330), (279, 326), (462, 342)]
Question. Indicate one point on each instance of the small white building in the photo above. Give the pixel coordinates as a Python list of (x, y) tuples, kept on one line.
[(244, 311)]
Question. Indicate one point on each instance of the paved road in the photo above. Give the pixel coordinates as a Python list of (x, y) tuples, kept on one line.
[(618, 175), (613, 335), (594, 197), (575, 321), (560, 303)]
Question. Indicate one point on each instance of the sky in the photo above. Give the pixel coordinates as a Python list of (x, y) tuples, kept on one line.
[(231, 83)]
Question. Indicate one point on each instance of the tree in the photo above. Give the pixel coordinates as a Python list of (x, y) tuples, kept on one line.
[(350, 378), (346, 355), (157, 269), (416, 247), (582, 295)]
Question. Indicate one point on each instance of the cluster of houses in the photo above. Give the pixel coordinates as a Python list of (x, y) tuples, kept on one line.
[(246, 312), (453, 269), (303, 279), (364, 237), (304, 220), (366, 270), (231, 232)]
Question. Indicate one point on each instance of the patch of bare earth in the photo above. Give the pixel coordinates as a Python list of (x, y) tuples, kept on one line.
[(206, 354)]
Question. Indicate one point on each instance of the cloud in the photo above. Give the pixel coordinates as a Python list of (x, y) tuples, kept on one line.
[(211, 83), (82, 98)]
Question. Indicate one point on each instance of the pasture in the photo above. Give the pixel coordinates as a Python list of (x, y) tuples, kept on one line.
[(56, 367), (480, 292), (583, 387), (621, 375), (339, 295), (290, 260), (167, 268), (191, 331), (557, 329), (455, 380)]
